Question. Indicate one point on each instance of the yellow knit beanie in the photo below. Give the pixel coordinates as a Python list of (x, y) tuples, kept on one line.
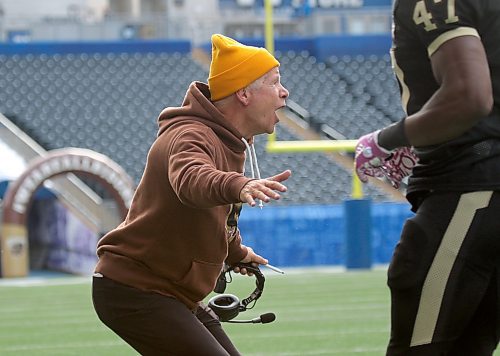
[(235, 65)]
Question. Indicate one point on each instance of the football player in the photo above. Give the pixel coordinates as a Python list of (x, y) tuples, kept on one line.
[(444, 274)]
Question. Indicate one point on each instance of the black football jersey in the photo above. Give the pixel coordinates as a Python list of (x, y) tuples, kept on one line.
[(471, 161)]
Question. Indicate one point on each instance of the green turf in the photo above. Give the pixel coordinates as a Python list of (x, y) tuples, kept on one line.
[(319, 312)]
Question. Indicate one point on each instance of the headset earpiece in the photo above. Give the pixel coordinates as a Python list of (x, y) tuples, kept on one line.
[(227, 306)]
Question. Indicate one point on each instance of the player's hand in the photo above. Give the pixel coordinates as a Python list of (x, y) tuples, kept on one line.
[(369, 157), (399, 165), (251, 258), (264, 189), (371, 160)]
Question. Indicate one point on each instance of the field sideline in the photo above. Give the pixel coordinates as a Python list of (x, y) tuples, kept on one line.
[(319, 312)]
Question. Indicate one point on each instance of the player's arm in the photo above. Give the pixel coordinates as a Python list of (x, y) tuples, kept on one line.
[(465, 95)]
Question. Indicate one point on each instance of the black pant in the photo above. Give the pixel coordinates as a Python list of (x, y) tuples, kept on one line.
[(154, 324), (445, 278)]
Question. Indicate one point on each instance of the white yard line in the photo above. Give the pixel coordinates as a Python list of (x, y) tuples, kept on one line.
[(43, 281), (56, 280)]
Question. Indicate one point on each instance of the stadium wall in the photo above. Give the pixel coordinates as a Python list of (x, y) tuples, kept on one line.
[(320, 47), (315, 235), (51, 48), (324, 46), (291, 236)]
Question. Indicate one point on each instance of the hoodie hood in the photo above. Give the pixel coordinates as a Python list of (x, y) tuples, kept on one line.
[(197, 106)]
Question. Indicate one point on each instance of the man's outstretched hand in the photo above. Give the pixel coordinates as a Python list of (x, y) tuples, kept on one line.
[(264, 189)]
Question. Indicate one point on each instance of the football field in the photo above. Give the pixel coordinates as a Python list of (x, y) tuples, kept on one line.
[(318, 312)]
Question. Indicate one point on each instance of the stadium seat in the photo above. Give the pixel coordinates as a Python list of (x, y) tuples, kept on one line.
[(110, 103)]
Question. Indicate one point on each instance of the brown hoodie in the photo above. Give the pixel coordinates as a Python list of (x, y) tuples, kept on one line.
[(176, 235)]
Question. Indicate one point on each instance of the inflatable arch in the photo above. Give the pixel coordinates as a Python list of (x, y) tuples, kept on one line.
[(19, 194)]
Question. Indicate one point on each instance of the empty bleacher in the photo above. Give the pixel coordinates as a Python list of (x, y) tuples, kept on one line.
[(110, 102), (352, 94)]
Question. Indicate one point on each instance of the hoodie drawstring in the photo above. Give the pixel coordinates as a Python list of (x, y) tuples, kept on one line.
[(253, 159)]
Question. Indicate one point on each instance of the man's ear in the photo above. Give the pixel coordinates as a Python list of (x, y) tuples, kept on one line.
[(243, 96)]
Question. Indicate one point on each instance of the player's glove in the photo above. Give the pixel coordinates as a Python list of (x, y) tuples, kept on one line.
[(372, 160), (399, 165), (369, 157)]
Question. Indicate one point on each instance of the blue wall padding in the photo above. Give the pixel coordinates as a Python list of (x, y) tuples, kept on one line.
[(320, 47), (358, 237), (133, 46), (316, 234), (324, 46), (309, 235)]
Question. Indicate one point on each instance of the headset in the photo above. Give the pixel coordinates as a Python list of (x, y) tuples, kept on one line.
[(228, 306)]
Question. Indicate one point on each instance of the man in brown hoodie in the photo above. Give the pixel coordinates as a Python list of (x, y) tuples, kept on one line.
[(157, 266)]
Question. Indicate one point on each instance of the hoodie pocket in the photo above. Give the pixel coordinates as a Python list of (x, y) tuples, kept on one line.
[(200, 279)]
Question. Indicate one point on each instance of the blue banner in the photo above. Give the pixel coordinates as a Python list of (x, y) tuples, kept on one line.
[(308, 5)]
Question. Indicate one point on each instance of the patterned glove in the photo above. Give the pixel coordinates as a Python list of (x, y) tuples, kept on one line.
[(369, 157), (371, 160), (399, 165)]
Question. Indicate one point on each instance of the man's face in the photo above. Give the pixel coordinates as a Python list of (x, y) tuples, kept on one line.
[(267, 96)]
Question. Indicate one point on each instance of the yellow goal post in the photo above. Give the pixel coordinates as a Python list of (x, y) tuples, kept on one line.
[(309, 146)]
